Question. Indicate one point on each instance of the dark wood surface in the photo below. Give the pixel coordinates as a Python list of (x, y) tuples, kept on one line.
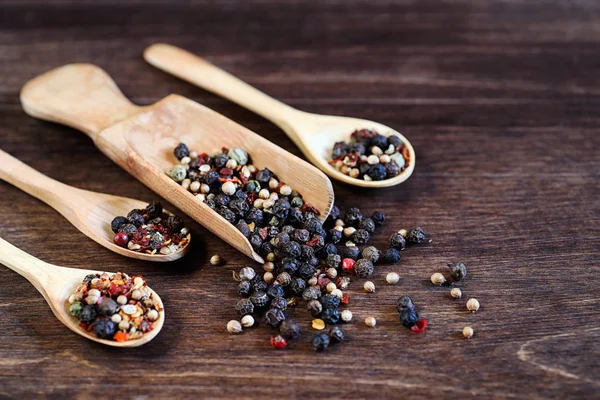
[(500, 100)]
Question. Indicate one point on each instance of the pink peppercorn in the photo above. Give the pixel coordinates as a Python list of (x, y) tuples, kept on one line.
[(121, 239), (348, 265), (278, 342)]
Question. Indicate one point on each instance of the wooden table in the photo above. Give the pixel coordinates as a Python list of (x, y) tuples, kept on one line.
[(500, 100)]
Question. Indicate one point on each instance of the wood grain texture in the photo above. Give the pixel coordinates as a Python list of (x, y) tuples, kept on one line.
[(500, 101)]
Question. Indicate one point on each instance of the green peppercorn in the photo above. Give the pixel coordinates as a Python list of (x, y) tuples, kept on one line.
[(75, 309), (297, 202), (178, 173), (239, 155)]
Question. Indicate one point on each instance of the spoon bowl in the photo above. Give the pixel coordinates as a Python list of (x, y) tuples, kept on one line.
[(314, 134), (90, 212), (141, 140), (56, 283)]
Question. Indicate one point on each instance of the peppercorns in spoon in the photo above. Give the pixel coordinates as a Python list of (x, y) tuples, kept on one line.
[(92, 304), (355, 151), (94, 214)]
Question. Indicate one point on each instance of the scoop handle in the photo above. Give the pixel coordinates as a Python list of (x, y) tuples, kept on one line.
[(200, 72), (81, 96), (24, 264)]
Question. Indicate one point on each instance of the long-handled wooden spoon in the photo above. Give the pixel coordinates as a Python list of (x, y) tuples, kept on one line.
[(142, 139), (57, 283), (314, 134), (90, 212)]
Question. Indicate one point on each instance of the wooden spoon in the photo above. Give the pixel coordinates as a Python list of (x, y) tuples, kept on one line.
[(90, 212), (57, 283), (142, 139), (314, 134)]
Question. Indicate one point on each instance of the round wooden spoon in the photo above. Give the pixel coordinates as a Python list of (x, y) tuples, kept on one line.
[(90, 212), (314, 134), (57, 283)]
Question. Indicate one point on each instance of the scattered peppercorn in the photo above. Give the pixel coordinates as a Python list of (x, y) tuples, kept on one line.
[(416, 235), (320, 341), (289, 329), (456, 293), (397, 241), (234, 327), (216, 260), (458, 271), (346, 315), (472, 305), (438, 279), (278, 342), (247, 321), (370, 321), (369, 287), (467, 332), (392, 278), (391, 256), (336, 334), (363, 268)]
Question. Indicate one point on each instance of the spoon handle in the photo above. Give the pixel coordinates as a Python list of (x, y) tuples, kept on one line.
[(200, 72), (81, 96), (24, 264), (35, 183)]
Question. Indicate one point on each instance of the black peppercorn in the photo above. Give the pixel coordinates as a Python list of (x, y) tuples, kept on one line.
[(396, 141), (181, 151), (306, 271), (117, 223), (289, 265), (220, 160), (392, 169), (314, 307), (306, 252), (128, 229), (349, 252), (380, 141), (227, 214), (330, 315), (314, 262), (88, 278), (292, 249), (274, 317), (363, 268), (289, 329), (211, 178), (259, 284), (108, 306), (174, 223), (297, 286), (275, 290), (222, 200), (330, 301), (311, 293), (288, 229), (334, 213), (328, 249), (333, 261), (391, 256), (367, 224), (255, 241), (238, 206), (416, 235), (244, 307), (404, 302), (240, 195), (264, 176), (252, 187), (154, 210), (272, 232), (244, 288), (104, 328), (320, 341), (458, 271), (280, 303), (397, 241), (300, 235), (352, 217), (210, 203), (377, 172), (281, 240), (313, 225), (266, 248), (259, 299), (244, 228), (409, 317), (335, 236), (336, 334), (88, 313), (295, 217), (137, 220), (360, 236)]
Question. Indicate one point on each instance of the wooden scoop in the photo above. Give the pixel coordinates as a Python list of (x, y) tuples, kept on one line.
[(314, 134), (142, 139), (57, 283), (90, 212)]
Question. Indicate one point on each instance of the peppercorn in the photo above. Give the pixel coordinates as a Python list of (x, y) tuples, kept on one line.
[(370, 321), (404, 302), (348, 265), (259, 284), (289, 265), (289, 329), (174, 223), (278, 342), (178, 173), (227, 214), (397, 241), (416, 235), (392, 169), (391, 256), (88, 313), (361, 236), (117, 223), (244, 307), (378, 218), (467, 332), (473, 305), (252, 187), (284, 279), (311, 293), (369, 287), (330, 315), (314, 307), (244, 288), (353, 216), (371, 253), (363, 268), (108, 306), (247, 321), (458, 271), (216, 260), (128, 229), (377, 172), (320, 341), (275, 290), (392, 278), (346, 315), (456, 293), (75, 309), (297, 286), (247, 273), (234, 327), (330, 301), (154, 210), (268, 277), (409, 317), (306, 270), (280, 303), (121, 239), (335, 236), (259, 299), (274, 317), (181, 151), (239, 155), (336, 334), (333, 261), (292, 249), (328, 249), (306, 252), (367, 224), (104, 328), (349, 252), (438, 279)]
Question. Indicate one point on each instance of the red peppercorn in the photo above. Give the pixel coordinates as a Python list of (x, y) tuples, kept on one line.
[(348, 265), (226, 171), (121, 239), (278, 342), (345, 299), (420, 326)]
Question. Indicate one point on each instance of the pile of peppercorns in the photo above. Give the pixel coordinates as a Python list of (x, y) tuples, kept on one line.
[(115, 307), (370, 156), (150, 230)]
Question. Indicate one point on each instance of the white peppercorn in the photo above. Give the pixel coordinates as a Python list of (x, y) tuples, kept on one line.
[(264, 194), (247, 321), (473, 305), (330, 287), (369, 287), (392, 278), (268, 266), (195, 186), (338, 293), (152, 315), (332, 273), (467, 332), (349, 231), (456, 293), (228, 188), (403, 233), (438, 279), (370, 321), (346, 315), (268, 277), (247, 273), (339, 222), (186, 183), (285, 190), (234, 327), (216, 260)]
